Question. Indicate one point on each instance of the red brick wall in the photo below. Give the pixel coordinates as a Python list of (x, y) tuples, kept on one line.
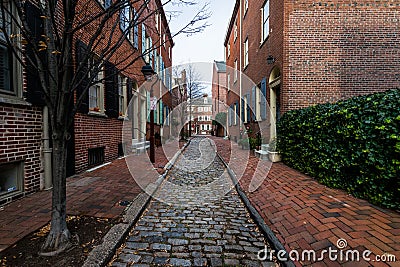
[(340, 49), (92, 132), (20, 140)]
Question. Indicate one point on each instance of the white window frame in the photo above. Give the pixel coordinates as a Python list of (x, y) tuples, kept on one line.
[(98, 87), (124, 22), (122, 95), (229, 49), (228, 82), (235, 73), (246, 6), (246, 52), (265, 16)]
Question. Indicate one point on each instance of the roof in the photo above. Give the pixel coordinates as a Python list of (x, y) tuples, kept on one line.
[(200, 101), (220, 65)]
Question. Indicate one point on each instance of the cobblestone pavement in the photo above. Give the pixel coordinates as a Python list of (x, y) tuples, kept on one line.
[(196, 219)]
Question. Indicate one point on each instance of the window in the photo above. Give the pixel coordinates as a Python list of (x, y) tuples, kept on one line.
[(246, 6), (235, 114), (124, 21), (246, 52), (228, 81), (96, 90), (235, 71), (106, 3), (205, 102), (122, 95), (265, 21), (229, 49), (200, 109), (135, 30), (10, 68), (235, 33)]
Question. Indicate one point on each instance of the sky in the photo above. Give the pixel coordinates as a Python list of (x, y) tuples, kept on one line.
[(208, 45)]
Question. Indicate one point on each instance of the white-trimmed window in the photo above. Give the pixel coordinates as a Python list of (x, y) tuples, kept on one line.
[(125, 17), (235, 71), (246, 6), (122, 95), (96, 90), (135, 29), (246, 52), (10, 68), (228, 81), (265, 21), (228, 47)]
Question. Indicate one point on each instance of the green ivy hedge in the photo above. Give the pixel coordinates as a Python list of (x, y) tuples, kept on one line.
[(353, 145)]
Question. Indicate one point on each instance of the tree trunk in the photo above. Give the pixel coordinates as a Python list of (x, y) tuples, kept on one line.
[(59, 237)]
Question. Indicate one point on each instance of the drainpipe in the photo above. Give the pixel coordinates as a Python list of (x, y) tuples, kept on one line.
[(47, 151)]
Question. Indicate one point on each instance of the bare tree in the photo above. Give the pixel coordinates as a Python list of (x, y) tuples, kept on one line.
[(195, 89), (48, 54), (188, 86)]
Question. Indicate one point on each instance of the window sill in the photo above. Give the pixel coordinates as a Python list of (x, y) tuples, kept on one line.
[(245, 67), (13, 100), (97, 114), (264, 41)]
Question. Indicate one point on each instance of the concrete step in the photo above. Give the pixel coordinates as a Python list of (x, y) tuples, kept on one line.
[(261, 154)]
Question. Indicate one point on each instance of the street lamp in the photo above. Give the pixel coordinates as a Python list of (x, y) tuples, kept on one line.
[(148, 73)]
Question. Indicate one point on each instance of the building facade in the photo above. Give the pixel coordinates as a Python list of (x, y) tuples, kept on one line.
[(219, 94), (96, 135), (287, 55), (201, 112)]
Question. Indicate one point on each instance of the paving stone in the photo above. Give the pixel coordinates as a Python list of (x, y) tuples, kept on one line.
[(180, 262), (216, 262), (200, 262), (158, 246), (215, 249), (231, 262), (137, 246), (129, 258)]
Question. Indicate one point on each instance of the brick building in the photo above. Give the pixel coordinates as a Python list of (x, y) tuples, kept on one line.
[(97, 129), (219, 94), (294, 54), (201, 115)]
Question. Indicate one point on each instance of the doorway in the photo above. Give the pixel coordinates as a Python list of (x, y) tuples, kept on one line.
[(275, 99)]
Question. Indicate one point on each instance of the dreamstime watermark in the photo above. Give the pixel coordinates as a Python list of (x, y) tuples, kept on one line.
[(333, 254)]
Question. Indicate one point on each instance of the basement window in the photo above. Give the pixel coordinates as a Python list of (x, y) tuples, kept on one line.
[(11, 178), (95, 156)]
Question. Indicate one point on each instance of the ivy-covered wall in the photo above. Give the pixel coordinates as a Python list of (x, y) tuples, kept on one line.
[(353, 145)]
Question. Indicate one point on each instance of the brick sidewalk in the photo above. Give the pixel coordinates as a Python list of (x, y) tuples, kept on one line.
[(306, 215), (97, 193)]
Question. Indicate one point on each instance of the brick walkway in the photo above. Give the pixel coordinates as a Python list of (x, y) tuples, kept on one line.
[(97, 193), (306, 215)]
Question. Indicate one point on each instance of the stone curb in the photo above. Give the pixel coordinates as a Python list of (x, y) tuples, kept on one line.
[(267, 232), (104, 252)]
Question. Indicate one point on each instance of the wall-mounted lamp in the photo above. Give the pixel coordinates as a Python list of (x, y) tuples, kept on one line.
[(270, 60)]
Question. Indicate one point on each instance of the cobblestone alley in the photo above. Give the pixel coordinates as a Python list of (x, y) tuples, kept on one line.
[(195, 219)]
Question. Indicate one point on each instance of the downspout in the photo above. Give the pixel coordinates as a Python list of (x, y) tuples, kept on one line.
[(241, 69), (47, 151)]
